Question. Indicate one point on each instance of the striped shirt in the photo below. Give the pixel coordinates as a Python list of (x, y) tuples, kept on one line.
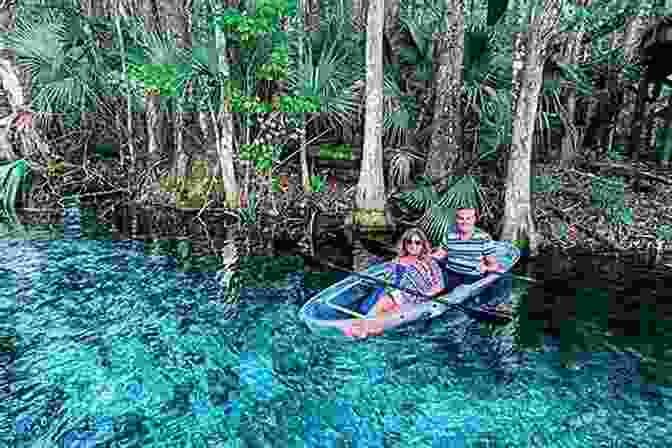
[(453, 234)]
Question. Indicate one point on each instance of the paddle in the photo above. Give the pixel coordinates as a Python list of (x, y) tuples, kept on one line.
[(483, 282), (443, 263)]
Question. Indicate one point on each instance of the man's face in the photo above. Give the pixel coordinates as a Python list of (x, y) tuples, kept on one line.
[(465, 218)]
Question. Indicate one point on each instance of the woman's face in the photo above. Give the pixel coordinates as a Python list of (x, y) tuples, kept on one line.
[(414, 245)]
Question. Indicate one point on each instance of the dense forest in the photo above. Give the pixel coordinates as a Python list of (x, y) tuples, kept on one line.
[(272, 117)]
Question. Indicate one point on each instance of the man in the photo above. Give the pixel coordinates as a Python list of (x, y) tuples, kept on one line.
[(465, 229)]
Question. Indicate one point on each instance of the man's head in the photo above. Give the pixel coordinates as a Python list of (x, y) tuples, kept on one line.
[(466, 218)]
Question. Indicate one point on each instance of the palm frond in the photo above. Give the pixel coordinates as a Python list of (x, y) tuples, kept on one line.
[(329, 76), (398, 111), (436, 222), (463, 191), (421, 197)]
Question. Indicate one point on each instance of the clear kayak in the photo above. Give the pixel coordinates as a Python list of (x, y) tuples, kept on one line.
[(335, 310)]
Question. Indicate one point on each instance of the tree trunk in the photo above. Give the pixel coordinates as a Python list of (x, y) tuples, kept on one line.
[(312, 15), (518, 221), (359, 15), (392, 29), (636, 135), (209, 142), (632, 40), (175, 17), (570, 139), (446, 143), (370, 198), (224, 127), (10, 82), (155, 128), (154, 116), (305, 168), (94, 8)]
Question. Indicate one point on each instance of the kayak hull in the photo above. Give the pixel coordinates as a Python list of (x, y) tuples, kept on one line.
[(326, 313)]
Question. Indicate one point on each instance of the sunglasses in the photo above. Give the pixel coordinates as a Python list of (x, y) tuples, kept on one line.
[(416, 242)]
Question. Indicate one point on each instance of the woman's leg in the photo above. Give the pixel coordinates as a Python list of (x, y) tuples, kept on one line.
[(384, 305)]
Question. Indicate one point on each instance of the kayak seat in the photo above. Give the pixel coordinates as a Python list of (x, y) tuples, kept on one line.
[(371, 300), (368, 303)]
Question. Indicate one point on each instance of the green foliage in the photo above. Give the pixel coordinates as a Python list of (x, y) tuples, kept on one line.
[(7, 344), (421, 197), (664, 232), (420, 55), (161, 77), (262, 154), (609, 195), (248, 215), (496, 9), (317, 183), (462, 192), (545, 184), (664, 144), (437, 226), (335, 152), (300, 104), (615, 152), (256, 151), (606, 191), (277, 68), (14, 176)]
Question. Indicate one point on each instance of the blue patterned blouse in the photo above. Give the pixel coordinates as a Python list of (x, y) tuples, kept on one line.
[(417, 279)]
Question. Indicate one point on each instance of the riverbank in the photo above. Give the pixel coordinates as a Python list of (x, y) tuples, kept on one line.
[(568, 216)]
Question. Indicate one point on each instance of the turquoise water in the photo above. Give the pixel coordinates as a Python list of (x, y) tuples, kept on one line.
[(120, 349)]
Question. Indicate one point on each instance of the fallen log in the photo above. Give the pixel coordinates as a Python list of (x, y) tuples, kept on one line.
[(630, 170)]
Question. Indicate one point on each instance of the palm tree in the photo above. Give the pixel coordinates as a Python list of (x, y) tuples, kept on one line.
[(69, 74), (209, 81), (325, 65), (370, 198)]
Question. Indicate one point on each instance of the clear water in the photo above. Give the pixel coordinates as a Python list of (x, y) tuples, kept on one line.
[(118, 349)]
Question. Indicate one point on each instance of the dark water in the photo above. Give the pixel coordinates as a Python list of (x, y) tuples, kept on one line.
[(123, 349)]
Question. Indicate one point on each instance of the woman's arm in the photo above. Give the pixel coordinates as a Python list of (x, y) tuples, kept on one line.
[(439, 253)]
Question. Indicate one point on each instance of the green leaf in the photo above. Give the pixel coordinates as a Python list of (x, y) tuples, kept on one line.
[(496, 9)]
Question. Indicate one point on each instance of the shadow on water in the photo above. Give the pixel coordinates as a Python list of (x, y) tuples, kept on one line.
[(114, 343)]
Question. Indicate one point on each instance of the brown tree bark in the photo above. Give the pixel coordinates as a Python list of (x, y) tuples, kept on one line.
[(392, 29), (446, 143), (518, 222), (11, 83), (632, 39)]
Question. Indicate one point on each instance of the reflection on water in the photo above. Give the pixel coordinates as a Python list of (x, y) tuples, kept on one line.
[(116, 347)]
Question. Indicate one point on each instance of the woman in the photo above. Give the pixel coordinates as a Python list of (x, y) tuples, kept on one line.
[(416, 268), (419, 271)]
